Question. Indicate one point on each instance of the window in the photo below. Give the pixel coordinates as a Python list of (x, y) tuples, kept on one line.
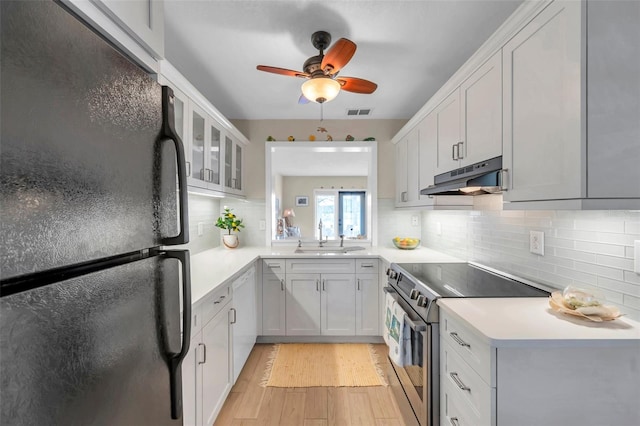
[(341, 213)]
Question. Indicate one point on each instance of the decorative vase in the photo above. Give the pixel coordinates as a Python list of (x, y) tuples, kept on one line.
[(230, 241)]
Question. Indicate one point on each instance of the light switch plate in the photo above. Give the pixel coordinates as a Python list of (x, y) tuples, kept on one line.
[(262, 224), (438, 228), (200, 229), (636, 256), (536, 242), (415, 220)]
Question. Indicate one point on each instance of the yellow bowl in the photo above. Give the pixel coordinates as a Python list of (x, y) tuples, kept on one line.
[(406, 243)]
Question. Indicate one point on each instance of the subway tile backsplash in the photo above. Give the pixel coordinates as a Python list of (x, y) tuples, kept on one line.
[(589, 249)]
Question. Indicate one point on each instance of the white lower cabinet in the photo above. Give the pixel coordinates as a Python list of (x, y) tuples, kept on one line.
[(206, 370), (216, 365), (243, 322), (551, 382), (313, 297), (320, 304)]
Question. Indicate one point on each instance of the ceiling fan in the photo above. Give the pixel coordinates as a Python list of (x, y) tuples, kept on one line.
[(321, 71)]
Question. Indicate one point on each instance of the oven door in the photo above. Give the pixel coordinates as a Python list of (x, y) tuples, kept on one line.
[(419, 380)]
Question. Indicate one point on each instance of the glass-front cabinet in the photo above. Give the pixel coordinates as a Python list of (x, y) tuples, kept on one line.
[(213, 147), (203, 157), (233, 161)]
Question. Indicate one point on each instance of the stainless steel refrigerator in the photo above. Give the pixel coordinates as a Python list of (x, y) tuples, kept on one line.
[(92, 189)]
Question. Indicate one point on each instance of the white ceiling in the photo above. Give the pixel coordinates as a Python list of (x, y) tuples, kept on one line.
[(409, 48)]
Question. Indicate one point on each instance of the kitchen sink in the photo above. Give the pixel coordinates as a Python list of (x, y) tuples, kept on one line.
[(328, 249)]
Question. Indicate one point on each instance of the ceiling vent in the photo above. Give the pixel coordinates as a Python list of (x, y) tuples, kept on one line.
[(362, 112)]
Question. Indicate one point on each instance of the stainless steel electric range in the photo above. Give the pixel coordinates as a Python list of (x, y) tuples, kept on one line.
[(416, 287)]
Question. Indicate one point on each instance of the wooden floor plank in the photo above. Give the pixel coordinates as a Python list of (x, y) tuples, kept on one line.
[(338, 407), (389, 422), (382, 405), (228, 410), (271, 409), (315, 406), (249, 369), (360, 409), (293, 408), (315, 422)]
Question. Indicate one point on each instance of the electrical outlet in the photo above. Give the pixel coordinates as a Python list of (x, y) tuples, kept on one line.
[(415, 220), (636, 256), (200, 229), (262, 225), (438, 228), (536, 242)]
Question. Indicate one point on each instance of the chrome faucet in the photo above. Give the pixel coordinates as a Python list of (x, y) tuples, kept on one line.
[(341, 240), (320, 242)]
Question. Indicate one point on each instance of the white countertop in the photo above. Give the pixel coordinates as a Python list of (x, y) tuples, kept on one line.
[(529, 321), (211, 268)]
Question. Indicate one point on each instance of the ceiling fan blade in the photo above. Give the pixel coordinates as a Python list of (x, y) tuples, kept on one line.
[(357, 85), (338, 56), (302, 100), (282, 71)]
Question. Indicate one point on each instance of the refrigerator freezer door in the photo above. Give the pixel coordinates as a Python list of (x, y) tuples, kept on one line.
[(84, 172), (92, 350)]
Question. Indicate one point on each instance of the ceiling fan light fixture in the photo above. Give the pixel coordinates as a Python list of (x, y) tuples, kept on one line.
[(320, 89)]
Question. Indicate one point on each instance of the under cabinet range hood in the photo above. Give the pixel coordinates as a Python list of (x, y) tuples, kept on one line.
[(475, 179)]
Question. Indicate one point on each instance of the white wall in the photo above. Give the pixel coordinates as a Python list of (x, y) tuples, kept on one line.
[(588, 249)]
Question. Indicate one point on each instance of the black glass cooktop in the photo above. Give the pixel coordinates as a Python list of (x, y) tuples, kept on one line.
[(465, 280)]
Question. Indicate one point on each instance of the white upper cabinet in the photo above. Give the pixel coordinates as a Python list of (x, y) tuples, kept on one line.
[(543, 148), (233, 161), (134, 26), (213, 146), (571, 90), (481, 100), (203, 150), (555, 91), (408, 169), (142, 19), (449, 134)]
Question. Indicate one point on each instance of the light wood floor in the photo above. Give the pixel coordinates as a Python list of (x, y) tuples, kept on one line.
[(250, 404)]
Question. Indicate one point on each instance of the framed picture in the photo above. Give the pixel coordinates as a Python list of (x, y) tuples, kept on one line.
[(302, 201)]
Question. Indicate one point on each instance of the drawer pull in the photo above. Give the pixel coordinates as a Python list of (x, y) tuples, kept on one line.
[(367, 265), (459, 382), (273, 265), (219, 300), (454, 421), (458, 340)]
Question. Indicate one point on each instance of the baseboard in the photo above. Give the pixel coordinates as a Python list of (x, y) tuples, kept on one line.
[(319, 339)]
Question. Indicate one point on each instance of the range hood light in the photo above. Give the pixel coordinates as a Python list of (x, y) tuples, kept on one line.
[(470, 189)]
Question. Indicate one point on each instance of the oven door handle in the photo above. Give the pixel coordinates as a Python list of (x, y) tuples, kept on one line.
[(415, 325)]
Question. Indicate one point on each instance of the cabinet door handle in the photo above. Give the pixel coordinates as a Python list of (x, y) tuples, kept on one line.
[(323, 289), (454, 421), (453, 151), (358, 281), (188, 163), (504, 177), (460, 150), (282, 285), (458, 340), (317, 285), (235, 317), (204, 353), (459, 382)]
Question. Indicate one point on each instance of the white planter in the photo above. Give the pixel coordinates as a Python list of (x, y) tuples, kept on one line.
[(230, 241)]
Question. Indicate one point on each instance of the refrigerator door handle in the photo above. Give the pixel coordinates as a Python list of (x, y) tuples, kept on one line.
[(175, 360), (169, 134)]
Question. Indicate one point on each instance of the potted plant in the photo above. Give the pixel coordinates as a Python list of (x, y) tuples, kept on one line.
[(229, 222)]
